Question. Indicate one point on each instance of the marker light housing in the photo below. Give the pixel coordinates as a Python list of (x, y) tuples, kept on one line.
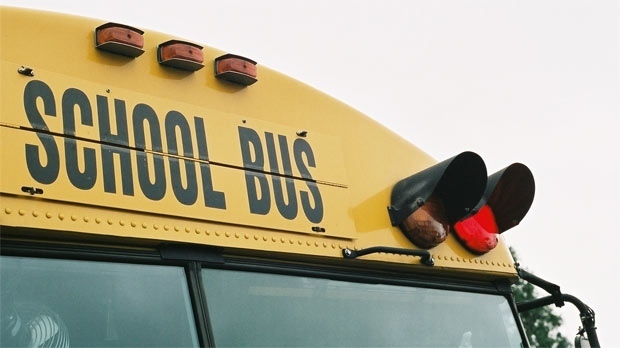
[(120, 39), (236, 69), (181, 55)]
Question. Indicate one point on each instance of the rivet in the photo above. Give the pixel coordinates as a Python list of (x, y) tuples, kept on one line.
[(246, 236), (197, 231), (166, 228), (133, 224), (176, 229), (227, 234), (187, 230), (110, 222), (144, 225), (35, 213), (61, 216), (86, 219), (121, 222), (156, 227), (73, 218), (265, 238), (22, 212), (7, 210)]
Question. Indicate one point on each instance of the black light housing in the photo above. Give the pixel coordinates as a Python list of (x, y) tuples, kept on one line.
[(426, 204)]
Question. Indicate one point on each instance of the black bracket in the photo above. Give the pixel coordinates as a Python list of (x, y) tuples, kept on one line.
[(557, 298)]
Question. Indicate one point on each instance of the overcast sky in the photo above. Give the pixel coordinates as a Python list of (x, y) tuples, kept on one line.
[(536, 82)]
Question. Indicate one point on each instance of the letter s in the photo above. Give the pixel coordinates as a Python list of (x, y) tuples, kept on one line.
[(43, 173)]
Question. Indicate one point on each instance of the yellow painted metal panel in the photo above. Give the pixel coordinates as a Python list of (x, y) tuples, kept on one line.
[(199, 190), (276, 132)]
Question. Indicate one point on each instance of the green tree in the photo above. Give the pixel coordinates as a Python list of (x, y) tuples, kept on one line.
[(541, 324)]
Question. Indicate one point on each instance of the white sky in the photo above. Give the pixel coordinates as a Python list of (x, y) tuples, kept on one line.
[(536, 82)]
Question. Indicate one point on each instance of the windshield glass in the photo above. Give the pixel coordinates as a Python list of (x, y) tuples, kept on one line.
[(250, 309), (72, 303)]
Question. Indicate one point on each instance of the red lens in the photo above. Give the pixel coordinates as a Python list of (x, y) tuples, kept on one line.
[(479, 231)]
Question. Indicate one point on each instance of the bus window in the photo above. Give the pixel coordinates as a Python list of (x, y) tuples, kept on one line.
[(62, 303), (250, 309)]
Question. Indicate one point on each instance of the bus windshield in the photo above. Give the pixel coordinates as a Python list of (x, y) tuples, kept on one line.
[(71, 303), (271, 310)]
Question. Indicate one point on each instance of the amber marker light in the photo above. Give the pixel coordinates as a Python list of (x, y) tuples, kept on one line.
[(236, 69), (181, 55), (120, 39)]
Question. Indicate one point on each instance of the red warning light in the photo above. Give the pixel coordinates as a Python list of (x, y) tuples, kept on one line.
[(457, 195), (478, 232), (507, 198)]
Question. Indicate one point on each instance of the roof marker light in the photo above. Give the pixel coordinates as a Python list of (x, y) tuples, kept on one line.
[(236, 69), (181, 55), (120, 39)]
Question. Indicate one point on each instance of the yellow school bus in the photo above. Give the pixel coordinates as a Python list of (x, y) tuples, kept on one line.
[(159, 192)]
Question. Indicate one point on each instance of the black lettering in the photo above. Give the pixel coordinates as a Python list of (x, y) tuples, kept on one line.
[(71, 99), (107, 152), (154, 189), (213, 199), (287, 210), (260, 202), (186, 195), (43, 173), (313, 209)]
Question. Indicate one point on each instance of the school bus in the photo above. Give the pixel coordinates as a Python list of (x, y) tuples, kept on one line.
[(159, 192)]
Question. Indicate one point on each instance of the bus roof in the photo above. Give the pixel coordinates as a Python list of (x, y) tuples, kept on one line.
[(97, 143)]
